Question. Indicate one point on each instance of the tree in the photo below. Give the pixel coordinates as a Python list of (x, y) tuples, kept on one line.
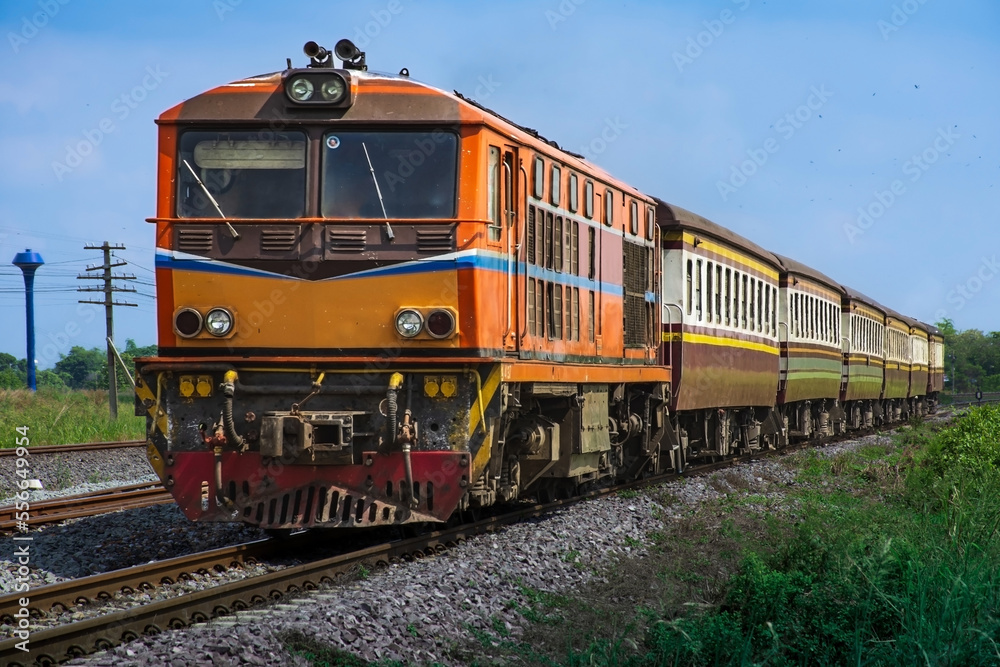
[(972, 358), (82, 367)]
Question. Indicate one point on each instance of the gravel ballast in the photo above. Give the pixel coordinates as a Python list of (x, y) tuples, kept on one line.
[(67, 474)]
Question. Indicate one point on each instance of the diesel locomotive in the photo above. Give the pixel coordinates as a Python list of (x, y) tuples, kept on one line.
[(381, 303)]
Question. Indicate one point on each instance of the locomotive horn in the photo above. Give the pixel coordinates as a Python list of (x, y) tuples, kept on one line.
[(346, 50), (353, 57), (317, 54)]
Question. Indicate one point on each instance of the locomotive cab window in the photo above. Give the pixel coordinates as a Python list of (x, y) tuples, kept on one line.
[(241, 175), (574, 193), (609, 208), (588, 199), (556, 181), (409, 174)]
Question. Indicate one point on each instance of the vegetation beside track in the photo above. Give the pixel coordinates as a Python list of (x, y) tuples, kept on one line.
[(888, 555), (62, 417)]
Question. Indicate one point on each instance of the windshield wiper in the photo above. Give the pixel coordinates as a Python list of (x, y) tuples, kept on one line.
[(232, 230), (378, 191)]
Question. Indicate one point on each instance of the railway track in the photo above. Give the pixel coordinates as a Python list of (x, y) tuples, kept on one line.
[(71, 449), (59, 643), (117, 498)]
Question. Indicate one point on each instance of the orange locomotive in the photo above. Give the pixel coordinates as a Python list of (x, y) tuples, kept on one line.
[(380, 303)]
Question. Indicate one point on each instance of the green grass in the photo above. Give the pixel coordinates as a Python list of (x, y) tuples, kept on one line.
[(62, 417), (889, 555)]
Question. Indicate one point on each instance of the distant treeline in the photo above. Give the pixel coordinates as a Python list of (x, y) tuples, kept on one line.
[(80, 369), (971, 358)]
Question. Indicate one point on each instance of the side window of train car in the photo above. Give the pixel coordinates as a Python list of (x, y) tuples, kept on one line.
[(743, 301), (774, 311), (574, 193), (728, 297), (718, 294), (538, 181), (710, 290), (650, 224), (588, 199), (767, 309), (750, 304), (609, 208), (633, 218), (760, 305), (697, 288), (690, 279), (555, 184)]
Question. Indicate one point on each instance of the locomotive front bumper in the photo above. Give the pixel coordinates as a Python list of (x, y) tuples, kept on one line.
[(284, 448), (266, 492)]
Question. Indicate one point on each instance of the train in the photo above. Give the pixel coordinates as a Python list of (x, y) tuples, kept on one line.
[(381, 303)]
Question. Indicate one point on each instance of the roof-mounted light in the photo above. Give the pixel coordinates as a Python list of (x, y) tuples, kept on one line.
[(329, 88)]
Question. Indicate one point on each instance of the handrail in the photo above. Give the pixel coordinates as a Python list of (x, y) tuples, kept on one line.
[(509, 215)]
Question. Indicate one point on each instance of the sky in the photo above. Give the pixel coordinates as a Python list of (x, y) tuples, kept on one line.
[(857, 136)]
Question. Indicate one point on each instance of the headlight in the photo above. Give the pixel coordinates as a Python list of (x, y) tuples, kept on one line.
[(219, 321), (441, 324), (187, 322), (332, 90), (409, 323), (300, 89)]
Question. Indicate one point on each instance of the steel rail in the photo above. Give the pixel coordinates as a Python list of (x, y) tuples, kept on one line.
[(72, 449), (62, 596), (54, 510)]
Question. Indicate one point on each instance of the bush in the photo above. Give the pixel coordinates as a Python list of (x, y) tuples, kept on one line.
[(971, 445)]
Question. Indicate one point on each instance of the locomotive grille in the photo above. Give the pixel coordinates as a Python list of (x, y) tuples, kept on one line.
[(347, 240), (194, 240), (636, 279), (277, 240), (436, 239), (531, 234)]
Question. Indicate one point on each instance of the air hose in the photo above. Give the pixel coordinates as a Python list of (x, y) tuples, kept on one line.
[(228, 390), (395, 382)]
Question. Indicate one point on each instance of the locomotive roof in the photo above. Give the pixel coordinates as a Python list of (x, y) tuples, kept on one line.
[(792, 266), (382, 97), (668, 214)]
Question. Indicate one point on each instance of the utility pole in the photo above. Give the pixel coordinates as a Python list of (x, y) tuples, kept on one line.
[(108, 304)]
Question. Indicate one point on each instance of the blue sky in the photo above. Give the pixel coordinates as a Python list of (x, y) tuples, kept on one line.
[(857, 136)]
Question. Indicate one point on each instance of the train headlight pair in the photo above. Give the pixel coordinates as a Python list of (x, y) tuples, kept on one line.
[(189, 322), (312, 89), (439, 323)]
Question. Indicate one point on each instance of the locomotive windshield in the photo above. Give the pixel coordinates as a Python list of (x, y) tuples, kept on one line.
[(241, 175), (410, 174)]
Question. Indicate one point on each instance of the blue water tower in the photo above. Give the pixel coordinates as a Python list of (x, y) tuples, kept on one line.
[(29, 262)]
